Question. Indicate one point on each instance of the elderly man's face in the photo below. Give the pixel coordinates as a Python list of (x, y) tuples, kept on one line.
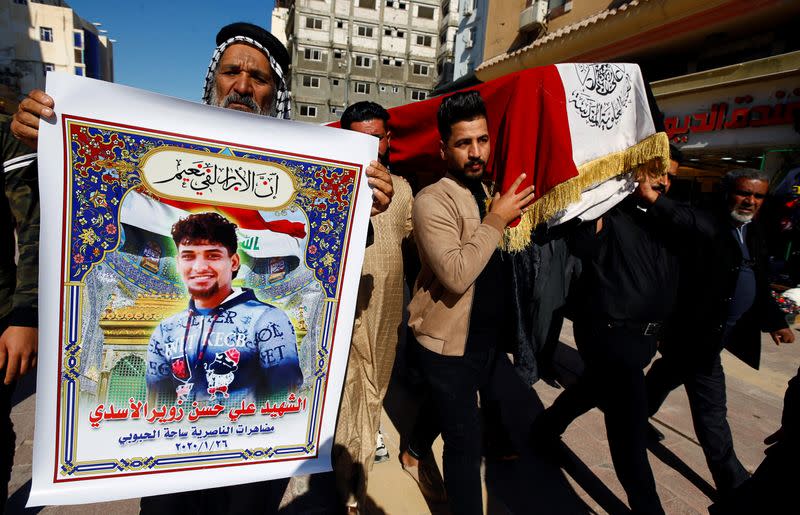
[(244, 80), (746, 198)]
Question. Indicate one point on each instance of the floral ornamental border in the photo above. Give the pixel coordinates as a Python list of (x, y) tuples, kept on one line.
[(103, 163)]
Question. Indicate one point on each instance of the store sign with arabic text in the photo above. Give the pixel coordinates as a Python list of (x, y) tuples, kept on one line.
[(762, 114)]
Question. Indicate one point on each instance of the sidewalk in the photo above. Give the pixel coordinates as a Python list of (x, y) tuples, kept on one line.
[(585, 484)]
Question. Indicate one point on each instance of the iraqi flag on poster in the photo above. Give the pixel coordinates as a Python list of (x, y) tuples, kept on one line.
[(260, 236), (575, 130)]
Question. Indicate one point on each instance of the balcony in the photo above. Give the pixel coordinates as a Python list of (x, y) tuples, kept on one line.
[(448, 20)]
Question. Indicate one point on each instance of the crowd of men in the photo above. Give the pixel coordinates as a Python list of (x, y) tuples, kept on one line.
[(656, 276)]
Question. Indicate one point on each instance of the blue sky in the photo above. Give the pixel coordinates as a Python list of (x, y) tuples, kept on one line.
[(165, 46)]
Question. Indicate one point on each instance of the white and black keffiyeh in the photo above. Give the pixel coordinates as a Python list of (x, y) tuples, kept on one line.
[(283, 108)]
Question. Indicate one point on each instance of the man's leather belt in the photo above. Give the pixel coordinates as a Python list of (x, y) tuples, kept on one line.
[(645, 328)]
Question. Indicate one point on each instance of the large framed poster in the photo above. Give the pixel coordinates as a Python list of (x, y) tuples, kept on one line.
[(198, 275)]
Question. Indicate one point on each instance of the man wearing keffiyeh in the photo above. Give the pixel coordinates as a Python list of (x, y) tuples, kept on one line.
[(248, 73)]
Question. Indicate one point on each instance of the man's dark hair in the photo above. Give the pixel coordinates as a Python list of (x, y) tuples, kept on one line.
[(459, 107), (209, 228), (730, 178), (362, 112), (675, 154)]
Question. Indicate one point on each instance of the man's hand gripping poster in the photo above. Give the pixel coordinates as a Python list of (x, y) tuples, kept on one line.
[(199, 268)]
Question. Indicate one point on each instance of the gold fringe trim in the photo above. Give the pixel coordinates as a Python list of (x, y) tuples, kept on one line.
[(650, 156)]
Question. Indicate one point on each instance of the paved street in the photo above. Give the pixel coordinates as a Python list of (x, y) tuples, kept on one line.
[(584, 484)]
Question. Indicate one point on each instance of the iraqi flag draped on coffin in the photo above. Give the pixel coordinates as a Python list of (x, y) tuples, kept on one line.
[(576, 130)]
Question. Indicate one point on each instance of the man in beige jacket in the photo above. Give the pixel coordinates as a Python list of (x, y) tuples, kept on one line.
[(456, 310)]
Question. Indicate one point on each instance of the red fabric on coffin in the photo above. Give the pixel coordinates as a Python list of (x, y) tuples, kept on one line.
[(527, 126)]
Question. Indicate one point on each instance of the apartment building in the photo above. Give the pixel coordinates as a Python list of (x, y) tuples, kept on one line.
[(37, 36), (345, 51), (462, 33)]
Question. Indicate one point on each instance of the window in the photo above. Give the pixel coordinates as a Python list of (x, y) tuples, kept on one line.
[(445, 7), (401, 6), (387, 61), (314, 23), (387, 32), (78, 39), (365, 31), (310, 111), (79, 70), (21, 2), (365, 4), (420, 69), (425, 12), (312, 54), (335, 82), (424, 40), (79, 56), (363, 61), (362, 88), (401, 34), (396, 4), (418, 95), (46, 34), (395, 89), (339, 24), (310, 82), (49, 67), (383, 89)]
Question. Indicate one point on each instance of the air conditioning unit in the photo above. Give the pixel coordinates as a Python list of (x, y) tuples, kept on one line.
[(468, 41), (469, 8), (534, 18)]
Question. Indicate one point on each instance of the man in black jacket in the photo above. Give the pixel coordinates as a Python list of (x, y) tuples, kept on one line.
[(723, 301), (627, 290), (19, 276)]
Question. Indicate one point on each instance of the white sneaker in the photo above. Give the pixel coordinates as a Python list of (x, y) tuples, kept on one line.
[(381, 453)]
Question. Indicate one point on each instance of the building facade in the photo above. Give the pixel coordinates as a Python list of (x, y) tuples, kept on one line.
[(280, 14), (462, 34), (47, 35), (347, 51)]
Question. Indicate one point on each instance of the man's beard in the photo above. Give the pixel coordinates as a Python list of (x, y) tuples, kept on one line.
[(206, 293), (236, 98), (461, 173), (741, 218)]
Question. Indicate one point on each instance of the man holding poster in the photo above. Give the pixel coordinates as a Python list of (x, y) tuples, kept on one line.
[(228, 344), (126, 283)]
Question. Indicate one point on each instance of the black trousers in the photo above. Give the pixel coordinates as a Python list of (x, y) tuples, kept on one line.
[(613, 380), (451, 408), (705, 388)]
